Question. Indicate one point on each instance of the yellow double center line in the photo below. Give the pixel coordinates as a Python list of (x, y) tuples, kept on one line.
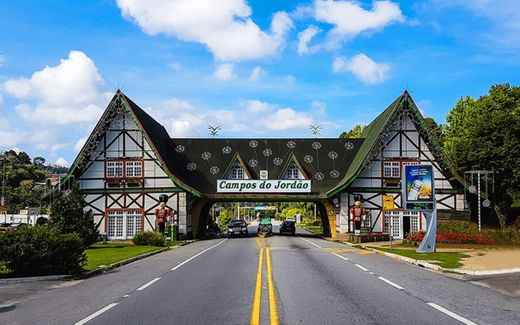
[(273, 309)]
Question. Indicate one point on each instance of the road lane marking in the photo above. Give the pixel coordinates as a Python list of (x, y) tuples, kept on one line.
[(310, 242), (96, 314), (198, 254), (343, 251), (390, 283), (342, 257), (255, 313), (365, 253), (451, 314), (126, 296), (273, 309), (362, 267), (144, 286)]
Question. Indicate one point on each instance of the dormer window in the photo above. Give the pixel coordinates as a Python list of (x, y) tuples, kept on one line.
[(237, 172), (293, 172), (114, 169)]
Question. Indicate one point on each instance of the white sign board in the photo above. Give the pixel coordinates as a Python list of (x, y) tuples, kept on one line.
[(263, 186)]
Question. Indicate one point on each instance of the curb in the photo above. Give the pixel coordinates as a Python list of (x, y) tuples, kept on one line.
[(96, 271), (112, 266), (35, 279), (435, 267)]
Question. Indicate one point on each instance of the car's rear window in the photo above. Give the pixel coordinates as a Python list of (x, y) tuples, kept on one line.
[(237, 223)]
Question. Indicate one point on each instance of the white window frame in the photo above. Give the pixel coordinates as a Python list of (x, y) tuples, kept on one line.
[(134, 168), (123, 224), (293, 172), (237, 172), (392, 169), (114, 169), (396, 217)]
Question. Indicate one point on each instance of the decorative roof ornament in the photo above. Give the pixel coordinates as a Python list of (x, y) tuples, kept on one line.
[(316, 145), (253, 163), (180, 148), (349, 145), (214, 170), (333, 155), (315, 129), (319, 176), (253, 143), (226, 150), (291, 144), (308, 159), (191, 166), (267, 152), (277, 161), (214, 130), (206, 155), (334, 173)]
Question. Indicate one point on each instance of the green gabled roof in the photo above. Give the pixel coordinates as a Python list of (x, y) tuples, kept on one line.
[(238, 158), (370, 134), (373, 132)]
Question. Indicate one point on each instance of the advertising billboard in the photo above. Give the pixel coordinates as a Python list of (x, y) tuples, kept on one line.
[(418, 187)]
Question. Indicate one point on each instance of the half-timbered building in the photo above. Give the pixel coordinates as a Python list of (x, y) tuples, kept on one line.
[(129, 160)]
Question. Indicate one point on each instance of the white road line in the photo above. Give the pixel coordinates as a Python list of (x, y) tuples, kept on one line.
[(362, 267), (390, 283), (148, 284), (126, 296), (96, 314), (198, 254), (310, 242), (342, 257), (451, 314)]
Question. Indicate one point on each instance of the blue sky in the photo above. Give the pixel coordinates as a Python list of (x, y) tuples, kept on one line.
[(257, 68)]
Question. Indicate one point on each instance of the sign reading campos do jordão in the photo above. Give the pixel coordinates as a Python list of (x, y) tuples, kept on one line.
[(418, 187), (263, 186)]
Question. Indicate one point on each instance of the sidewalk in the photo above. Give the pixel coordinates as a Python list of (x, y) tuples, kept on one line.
[(482, 260)]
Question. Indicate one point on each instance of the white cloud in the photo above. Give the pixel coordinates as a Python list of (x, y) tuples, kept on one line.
[(287, 119), (1, 102), (66, 93), (225, 72), (61, 162), (319, 107), (304, 38), (256, 74), (351, 19), (258, 106), (225, 27), (79, 144), (363, 67)]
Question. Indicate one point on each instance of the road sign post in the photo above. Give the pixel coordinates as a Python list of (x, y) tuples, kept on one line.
[(419, 195)]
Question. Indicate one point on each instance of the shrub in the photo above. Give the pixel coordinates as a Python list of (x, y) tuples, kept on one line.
[(508, 235), (456, 226), (315, 222), (41, 250), (149, 238), (455, 238)]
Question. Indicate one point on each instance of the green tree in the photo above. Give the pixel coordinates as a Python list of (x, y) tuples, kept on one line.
[(356, 132), (436, 129), (485, 134), (68, 215), (224, 218)]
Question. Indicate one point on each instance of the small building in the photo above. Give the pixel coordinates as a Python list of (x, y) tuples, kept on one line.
[(129, 160)]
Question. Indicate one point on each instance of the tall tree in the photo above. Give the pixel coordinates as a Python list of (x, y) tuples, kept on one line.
[(356, 132), (485, 134)]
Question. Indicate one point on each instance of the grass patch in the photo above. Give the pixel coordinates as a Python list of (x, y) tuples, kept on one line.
[(315, 230), (105, 254), (446, 260)]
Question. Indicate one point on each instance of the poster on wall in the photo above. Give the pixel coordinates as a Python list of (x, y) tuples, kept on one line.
[(418, 187)]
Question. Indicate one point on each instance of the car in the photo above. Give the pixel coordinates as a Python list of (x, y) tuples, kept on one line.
[(288, 227), (237, 228), (5, 227)]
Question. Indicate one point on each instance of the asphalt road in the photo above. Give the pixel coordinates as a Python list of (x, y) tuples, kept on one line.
[(280, 279)]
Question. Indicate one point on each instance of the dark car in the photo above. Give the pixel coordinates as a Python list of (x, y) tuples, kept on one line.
[(237, 228), (288, 227)]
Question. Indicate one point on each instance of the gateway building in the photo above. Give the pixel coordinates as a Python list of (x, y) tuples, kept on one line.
[(129, 161)]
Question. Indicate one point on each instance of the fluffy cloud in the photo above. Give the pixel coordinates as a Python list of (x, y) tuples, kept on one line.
[(304, 38), (225, 27), (351, 19), (363, 67), (66, 93), (225, 72), (251, 116), (61, 162), (57, 102), (256, 74)]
